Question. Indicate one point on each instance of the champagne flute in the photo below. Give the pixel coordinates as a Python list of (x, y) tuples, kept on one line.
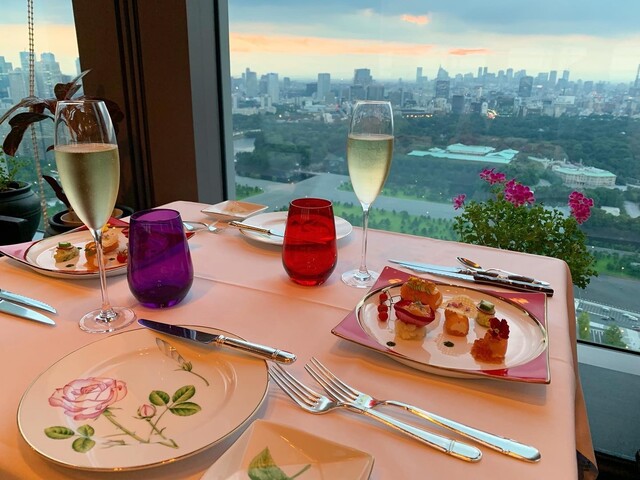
[(89, 168), (369, 153)]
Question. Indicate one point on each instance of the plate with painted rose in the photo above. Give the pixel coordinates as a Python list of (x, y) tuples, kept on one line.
[(138, 399)]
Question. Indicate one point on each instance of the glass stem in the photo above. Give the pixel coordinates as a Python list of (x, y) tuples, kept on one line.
[(363, 272), (107, 314)]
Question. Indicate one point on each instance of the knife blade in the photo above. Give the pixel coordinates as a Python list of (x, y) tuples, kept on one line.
[(486, 280), (263, 351), (23, 312), (468, 271), (253, 228), (16, 297)]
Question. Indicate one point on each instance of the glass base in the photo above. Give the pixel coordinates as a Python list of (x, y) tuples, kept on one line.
[(358, 279), (92, 322)]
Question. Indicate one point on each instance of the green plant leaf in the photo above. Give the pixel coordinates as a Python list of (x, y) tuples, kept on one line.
[(82, 444), (183, 394), (58, 433), (159, 398), (86, 430), (185, 409)]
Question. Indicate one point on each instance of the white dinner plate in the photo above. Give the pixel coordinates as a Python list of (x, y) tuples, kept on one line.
[(139, 399), (276, 221), (290, 451), (448, 353), (233, 210)]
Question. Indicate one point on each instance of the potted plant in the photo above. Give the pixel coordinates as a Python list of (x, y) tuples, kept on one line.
[(19, 205), (40, 109), (511, 220)]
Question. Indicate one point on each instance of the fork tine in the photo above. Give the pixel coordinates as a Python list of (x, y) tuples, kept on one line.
[(297, 384), (293, 393), (330, 376), (329, 387)]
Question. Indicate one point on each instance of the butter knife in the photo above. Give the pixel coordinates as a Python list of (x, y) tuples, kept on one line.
[(31, 302), (19, 311), (483, 279), (253, 228), (262, 351)]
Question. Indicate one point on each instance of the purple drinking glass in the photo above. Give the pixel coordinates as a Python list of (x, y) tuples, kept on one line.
[(309, 251), (160, 271)]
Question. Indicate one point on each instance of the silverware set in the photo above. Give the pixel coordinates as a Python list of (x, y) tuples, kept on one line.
[(472, 272), (341, 395), (9, 304)]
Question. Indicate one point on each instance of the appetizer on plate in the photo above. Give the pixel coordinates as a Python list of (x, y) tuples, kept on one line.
[(492, 348), (411, 319), (421, 290), (485, 310), (65, 251), (456, 315)]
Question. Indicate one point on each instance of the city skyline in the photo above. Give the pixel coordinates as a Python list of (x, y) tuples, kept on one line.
[(594, 42)]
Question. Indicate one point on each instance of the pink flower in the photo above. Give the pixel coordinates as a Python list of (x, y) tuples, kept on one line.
[(580, 206), (488, 175), (458, 201), (518, 194), (146, 411), (87, 398)]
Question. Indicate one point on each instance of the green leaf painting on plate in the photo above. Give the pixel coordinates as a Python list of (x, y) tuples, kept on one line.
[(263, 467)]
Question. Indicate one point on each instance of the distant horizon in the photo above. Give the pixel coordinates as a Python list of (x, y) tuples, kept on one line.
[(596, 41)]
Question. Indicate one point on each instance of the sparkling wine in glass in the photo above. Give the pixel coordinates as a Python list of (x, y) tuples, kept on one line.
[(369, 153), (89, 168)]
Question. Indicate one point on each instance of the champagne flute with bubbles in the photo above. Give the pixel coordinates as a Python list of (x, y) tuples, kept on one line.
[(369, 153), (89, 168)]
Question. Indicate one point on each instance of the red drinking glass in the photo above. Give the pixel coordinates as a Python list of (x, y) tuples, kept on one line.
[(309, 251)]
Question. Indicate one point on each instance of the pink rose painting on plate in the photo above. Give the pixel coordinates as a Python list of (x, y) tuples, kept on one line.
[(92, 398)]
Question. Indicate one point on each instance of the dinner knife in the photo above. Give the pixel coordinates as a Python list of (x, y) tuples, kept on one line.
[(15, 297), (485, 279), (253, 228), (263, 351), (468, 271), (19, 311)]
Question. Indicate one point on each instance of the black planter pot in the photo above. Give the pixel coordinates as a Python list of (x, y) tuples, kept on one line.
[(19, 214)]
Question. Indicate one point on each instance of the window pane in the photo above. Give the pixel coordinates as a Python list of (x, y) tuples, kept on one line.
[(548, 96), (55, 61)]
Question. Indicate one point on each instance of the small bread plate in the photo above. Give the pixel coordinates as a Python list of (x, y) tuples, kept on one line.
[(276, 221), (272, 450), (527, 356), (138, 399), (233, 210), (39, 255)]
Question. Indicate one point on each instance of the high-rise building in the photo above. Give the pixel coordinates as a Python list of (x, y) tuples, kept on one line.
[(273, 87), (419, 75), (457, 104), (509, 74), (479, 72), (324, 86), (565, 75), (442, 89), (250, 83), (636, 84), (553, 78), (375, 92), (362, 76), (525, 86)]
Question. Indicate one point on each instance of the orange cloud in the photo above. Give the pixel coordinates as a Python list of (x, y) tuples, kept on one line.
[(469, 51), (294, 45), (417, 19)]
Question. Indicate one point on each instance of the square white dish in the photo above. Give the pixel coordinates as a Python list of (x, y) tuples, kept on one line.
[(233, 210), (292, 451)]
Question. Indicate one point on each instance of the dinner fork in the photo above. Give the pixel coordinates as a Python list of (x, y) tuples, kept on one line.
[(344, 392), (313, 402)]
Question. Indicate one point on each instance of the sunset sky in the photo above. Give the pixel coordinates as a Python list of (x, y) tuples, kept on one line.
[(595, 40)]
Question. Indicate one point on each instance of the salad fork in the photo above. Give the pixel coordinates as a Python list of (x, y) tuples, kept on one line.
[(314, 402), (333, 384)]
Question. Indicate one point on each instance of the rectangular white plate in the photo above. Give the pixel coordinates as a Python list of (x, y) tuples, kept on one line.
[(234, 210)]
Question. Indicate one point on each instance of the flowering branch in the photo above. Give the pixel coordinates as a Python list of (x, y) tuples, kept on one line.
[(512, 220)]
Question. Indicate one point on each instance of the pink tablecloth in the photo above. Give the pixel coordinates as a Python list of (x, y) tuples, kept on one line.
[(241, 287)]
